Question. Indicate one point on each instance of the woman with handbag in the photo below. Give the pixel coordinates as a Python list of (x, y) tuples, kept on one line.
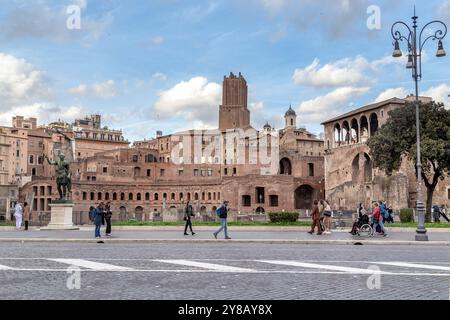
[(328, 214), (188, 213)]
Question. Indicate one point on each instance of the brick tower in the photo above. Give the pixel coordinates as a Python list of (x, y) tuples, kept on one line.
[(233, 112)]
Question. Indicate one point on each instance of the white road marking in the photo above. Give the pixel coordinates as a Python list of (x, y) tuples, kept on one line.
[(322, 266), (413, 265), (209, 266), (91, 265), (2, 267)]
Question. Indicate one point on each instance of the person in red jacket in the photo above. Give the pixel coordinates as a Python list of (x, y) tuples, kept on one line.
[(378, 219)]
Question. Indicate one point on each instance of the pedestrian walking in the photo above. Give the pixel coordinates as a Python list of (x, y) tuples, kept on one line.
[(26, 215), (222, 212), (188, 213), (98, 219), (328, 214), (377, 219), (108, 219), (18, 214), (315, 215)]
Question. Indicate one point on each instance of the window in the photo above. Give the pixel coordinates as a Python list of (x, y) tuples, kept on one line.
[(209, 172), (94, 178), (246, 201), (122, 196), (130, 196), (195, 172), (84, 196), (107, 196), (31, 159), (162, 172), (448, 194), (180, 172), (234, 171), (203, 172), (225, 171), (311, 169), (149, 172), (138, 197), (196, 196), (114, 196), (135, 158), (92, 196), (99, 196), (259, 195), (274, 201), (40, 160), (147, 196), (156, 197), (105, 170), (172, 196)]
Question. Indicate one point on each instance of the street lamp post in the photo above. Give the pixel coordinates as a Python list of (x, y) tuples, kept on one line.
[(415, 46)]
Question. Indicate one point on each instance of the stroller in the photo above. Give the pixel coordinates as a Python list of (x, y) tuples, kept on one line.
[(362, 227)]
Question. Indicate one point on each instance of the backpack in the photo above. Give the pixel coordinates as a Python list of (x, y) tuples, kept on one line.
[(220, 211), (384, 212)]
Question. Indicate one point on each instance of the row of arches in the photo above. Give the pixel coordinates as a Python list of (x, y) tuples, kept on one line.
[(147, 196), (355, 131)]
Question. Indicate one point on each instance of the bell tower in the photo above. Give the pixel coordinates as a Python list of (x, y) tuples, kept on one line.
[(233, 112)]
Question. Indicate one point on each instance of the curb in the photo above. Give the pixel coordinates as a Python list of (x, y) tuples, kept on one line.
[(210, 241)]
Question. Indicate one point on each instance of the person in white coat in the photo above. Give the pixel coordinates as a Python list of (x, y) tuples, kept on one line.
[(18, 214)]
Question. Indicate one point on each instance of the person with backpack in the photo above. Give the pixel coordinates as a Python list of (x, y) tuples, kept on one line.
[(188, 213), (377, 219), (315, 215), (98, 217), (222, 212)]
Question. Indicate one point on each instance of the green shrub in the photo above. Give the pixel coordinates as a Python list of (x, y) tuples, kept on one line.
[(280, 217), (406, 215)]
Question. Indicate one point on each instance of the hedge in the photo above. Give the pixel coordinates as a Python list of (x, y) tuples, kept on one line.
[(277, 217), (406, 215)]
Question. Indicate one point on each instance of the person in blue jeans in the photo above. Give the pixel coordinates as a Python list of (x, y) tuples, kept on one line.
[(98, 219), (222, 212)]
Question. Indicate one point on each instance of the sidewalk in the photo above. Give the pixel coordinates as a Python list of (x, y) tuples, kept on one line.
[(290, 235)]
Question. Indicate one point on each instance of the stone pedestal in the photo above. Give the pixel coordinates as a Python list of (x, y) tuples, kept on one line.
[(61, 217)]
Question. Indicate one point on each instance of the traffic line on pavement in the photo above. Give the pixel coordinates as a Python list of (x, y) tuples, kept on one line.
[(413, 265), (321, 266), (91, 265), (2, 267), (209, 266)]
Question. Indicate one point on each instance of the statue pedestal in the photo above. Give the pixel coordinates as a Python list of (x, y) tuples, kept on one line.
[(61, 217)]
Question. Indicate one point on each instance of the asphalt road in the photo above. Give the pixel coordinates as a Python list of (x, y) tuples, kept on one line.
[(222, 271)]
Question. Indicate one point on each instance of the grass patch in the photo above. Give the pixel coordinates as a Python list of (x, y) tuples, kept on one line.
[(414, 225)]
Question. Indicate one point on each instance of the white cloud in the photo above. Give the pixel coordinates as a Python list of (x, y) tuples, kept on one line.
[(159, 76), (392, 93), (342, 73), (439, 94), (107, 89), (444, 10), (44, 112), (273, 6), (20, 82), (329, 105), (196, 101)]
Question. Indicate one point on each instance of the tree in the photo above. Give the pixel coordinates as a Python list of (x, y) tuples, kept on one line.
[(396, 140)]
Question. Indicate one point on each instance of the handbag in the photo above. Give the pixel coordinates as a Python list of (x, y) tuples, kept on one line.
[(327, 213)]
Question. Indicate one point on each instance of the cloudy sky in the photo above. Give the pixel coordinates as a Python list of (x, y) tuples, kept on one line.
[(159, 64)]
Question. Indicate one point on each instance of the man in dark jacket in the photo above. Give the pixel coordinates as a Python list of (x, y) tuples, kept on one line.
[(108, 218), (98, 219), (188, 213), (222, 212), (315, 216)]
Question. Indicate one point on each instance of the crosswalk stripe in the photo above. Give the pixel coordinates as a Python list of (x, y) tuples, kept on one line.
[(209, 266), (413, 265), (91, 265), (320, 266)]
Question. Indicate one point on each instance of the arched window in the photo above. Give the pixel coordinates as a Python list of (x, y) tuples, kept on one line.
[(337, 135), (147, 196), (99, 196), (196, 196), (373, 124), (107, 196), (138, 197), (346, 132), (122, 196), (114, 196), (172, 196), (285, 166), (156, 197), (130, 196), (203, 196), (181, 196), (33, 172), (354, 132), (209, 195), (364, 129)]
